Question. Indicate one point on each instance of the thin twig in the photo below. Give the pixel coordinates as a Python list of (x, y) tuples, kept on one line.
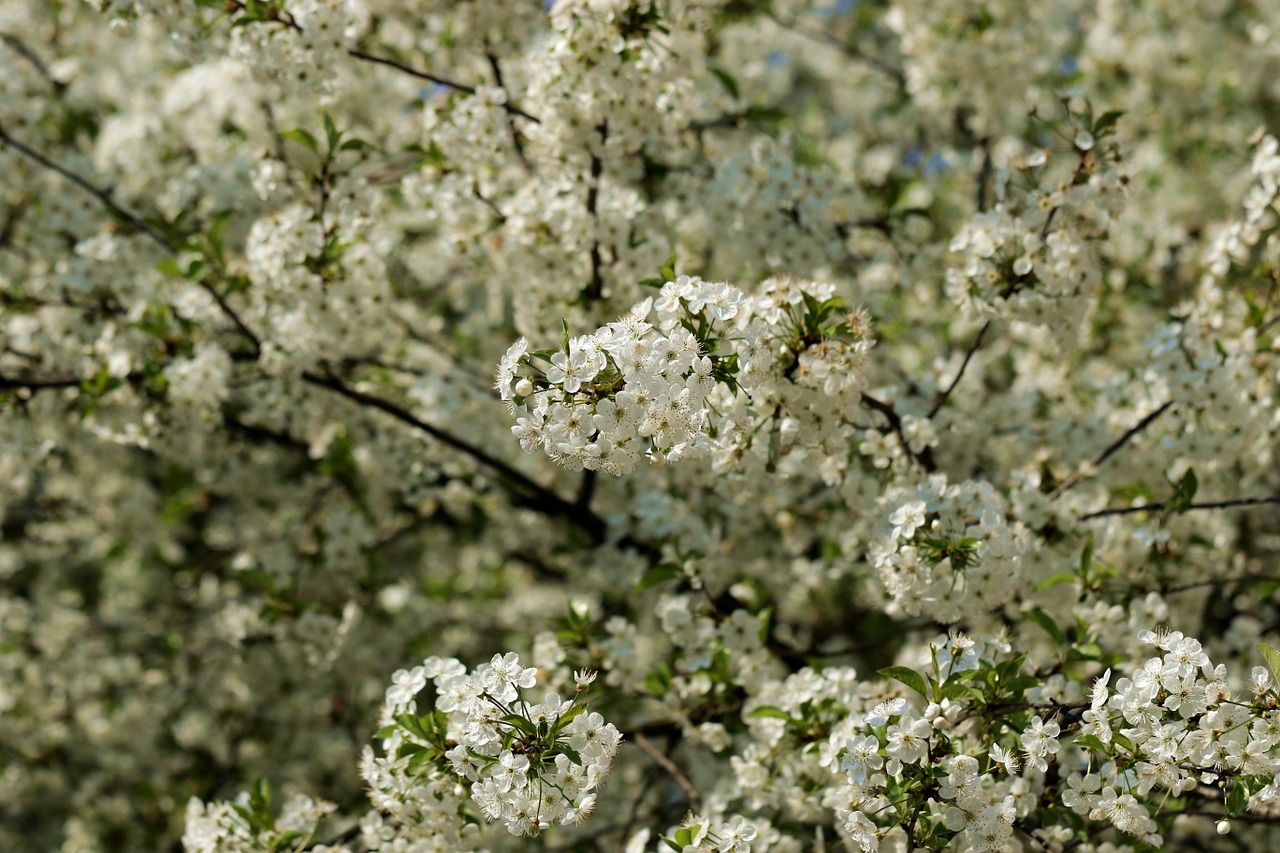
[(102, 195), (511, 124), (1158, 506), (973, 348), (595, 288), (852, 51), (139, 225), (1114, 447), (544, 498), (37, 383), (20, 47), (672, 770), (984, 174), (434, 78), (924, 459)]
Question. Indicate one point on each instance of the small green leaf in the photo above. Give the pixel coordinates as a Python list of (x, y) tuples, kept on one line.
[(331, 132), (1045, 621), (907, 676), (261, 795), (1237, 798), (771, 712), (1091, 742), (1106, 123), (958, 690), (1272, 657), (730, 85), (1054, 580), (302, 137), (660, 573), (685, 835), (413, 726), (668, 270), (518, 722)]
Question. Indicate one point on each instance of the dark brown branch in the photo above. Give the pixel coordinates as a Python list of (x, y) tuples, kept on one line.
[(1159, 506), (102, 195), (984, 175), (587, 489), (434, 78), (849, 50), (973, 348), (511, 124), (538, 495), (595, 288), (1112, 449), (20, 47), (670, 767), (140, 226), (37, 383), (924, 459)]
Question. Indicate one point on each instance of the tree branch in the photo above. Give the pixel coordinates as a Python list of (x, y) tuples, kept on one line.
[(672, 770), (139, 225), (973, 348), (924, 459), (1111, 450), (540, 496), (1158, 506), (434, 78)]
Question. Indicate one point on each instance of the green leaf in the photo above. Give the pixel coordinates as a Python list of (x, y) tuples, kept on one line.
[(260, 798), (570, 753), (1185, 492), (907, 676), (730, 85), (519, 722), (959, 690), (668, 270), (1237, 798), (354, 145), (564, 340), (685, 835), (1054, 580), (1092, 743), (413, 726), (1045, 621), (303, 138), (331, 132), (568, 716), (1272, 657), (660, 573), (1106, 123), (771, 712)]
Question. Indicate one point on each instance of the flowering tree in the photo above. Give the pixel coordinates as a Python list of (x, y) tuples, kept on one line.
[(883, 454)]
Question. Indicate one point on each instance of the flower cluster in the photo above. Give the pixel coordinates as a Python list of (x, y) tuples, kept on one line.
[(1034, 257), (527, 765), (695, 382), (952, 547)]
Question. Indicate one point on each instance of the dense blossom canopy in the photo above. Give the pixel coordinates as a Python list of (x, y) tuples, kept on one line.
[(639, 425)]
